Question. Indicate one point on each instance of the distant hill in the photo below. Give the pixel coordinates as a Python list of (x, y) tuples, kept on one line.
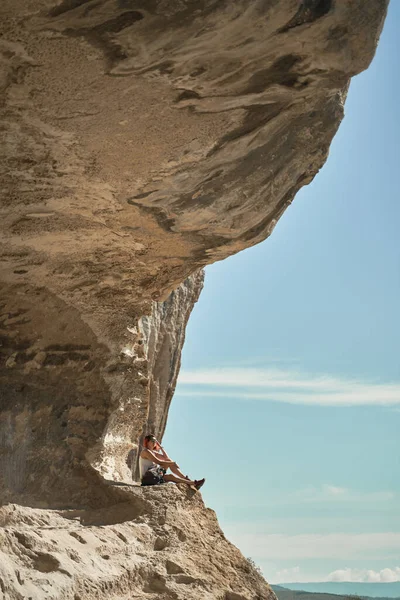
[(285, 594), (337, 588)]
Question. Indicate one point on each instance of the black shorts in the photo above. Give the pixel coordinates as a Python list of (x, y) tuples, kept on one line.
[(154, 476)]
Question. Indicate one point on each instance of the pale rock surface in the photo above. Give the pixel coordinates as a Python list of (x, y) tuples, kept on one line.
[(154, 351), (140, 141), (159, 542)]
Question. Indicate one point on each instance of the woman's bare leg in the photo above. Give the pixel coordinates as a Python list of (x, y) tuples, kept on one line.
[(177, 471), (177, 479)]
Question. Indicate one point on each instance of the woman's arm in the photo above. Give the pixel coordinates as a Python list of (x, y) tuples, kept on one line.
[(156, 458), (163, 452)]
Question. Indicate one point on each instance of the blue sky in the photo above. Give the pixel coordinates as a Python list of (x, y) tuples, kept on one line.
[(288, 400)]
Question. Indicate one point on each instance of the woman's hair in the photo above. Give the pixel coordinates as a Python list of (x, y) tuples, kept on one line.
[(149, 438)]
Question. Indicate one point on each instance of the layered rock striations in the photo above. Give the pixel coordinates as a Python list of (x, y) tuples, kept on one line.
[(140, 141)]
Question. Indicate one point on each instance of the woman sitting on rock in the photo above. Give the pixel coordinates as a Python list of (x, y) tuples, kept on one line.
[(154, 462)]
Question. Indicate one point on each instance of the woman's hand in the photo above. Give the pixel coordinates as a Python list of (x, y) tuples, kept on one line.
[(161, 449)]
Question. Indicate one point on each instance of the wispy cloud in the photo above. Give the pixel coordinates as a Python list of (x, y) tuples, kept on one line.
[(288, 575), (334, 493), (288, 386), (297, 575), (326, 497), (368, 575), (340, 546), (334, 490)]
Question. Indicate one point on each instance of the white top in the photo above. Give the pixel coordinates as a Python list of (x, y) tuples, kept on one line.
[(145, 464)]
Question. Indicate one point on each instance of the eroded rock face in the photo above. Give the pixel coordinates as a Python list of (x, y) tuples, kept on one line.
[(140, 141), (70, 404), (153, 354), (163, 336), (157, 543)]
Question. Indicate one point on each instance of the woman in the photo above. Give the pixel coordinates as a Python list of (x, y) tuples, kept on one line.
[(154, 462)]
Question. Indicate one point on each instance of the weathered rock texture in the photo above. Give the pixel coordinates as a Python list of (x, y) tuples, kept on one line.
[(140, 141), (154, 347), (158, 543)]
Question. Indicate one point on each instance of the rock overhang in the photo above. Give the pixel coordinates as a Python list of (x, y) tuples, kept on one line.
[(143, 140)]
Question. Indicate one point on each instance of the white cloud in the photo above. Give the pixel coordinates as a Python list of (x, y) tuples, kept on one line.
[(334, 493), (333, 490), (342, 546), (295, 575), (324, 496), (368, 575), (287, 386), (287, 575)]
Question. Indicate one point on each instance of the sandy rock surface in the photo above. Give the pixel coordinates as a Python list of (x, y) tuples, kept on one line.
[(158, 542)]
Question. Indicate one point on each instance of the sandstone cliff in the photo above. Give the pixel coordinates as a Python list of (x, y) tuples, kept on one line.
[(140, 141)]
